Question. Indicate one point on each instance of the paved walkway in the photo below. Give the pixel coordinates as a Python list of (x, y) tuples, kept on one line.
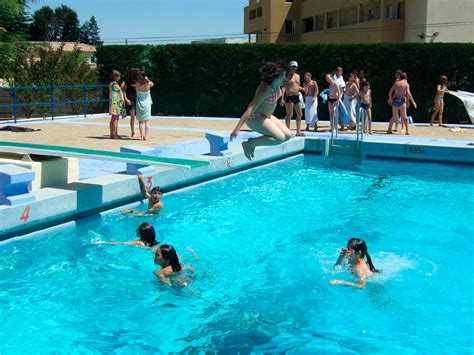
[(92, 132)]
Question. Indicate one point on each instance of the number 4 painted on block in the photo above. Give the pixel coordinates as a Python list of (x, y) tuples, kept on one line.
[(26, 214)]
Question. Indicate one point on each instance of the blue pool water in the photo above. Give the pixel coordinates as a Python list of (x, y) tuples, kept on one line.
[(267, 239)]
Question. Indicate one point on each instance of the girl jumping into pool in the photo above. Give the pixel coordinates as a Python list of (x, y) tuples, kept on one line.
[(146, 237), (259, 113), (441, 89), (355, 253), (171, 267)]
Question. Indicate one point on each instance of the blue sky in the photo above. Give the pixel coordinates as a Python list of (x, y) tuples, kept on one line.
[(157, 18)]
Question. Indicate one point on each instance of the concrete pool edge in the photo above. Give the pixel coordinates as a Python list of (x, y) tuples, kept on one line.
[(76, 200)]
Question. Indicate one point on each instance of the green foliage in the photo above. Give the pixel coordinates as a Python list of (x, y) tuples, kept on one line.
[(61, 24), (90, 32), (14, 20), (42, 27), (42, 66), (220, 79), (7, 55)]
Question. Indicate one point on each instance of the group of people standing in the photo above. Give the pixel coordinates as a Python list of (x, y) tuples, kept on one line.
[(283, 84), (130, 97)]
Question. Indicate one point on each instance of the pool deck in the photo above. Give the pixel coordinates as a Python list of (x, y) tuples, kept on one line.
[(92, 132), (107, 185)]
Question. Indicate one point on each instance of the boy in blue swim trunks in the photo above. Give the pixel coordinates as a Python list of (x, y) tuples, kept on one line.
[(397, 98)]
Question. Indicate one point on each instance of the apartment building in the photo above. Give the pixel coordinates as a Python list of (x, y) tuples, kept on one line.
[(359, 21)]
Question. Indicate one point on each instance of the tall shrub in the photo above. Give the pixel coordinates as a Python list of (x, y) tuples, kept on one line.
[(43, 66), (220, 79)]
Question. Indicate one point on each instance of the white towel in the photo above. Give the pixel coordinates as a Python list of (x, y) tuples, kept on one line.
[(467, 99)]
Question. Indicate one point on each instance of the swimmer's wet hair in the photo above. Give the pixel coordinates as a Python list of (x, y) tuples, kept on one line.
[(147, 234), (272, 70), (358, 245), (169, 253), (364, 84), (156, 189)]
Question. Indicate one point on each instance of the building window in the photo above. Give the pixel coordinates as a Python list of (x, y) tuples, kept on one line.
[(371, 15), (370, 12), (289, 28), (92, 60), (308, 24), (332, 20), (259, 12), (389, 12), (252, 14), (319, 23), (401, 11), (349, 16)]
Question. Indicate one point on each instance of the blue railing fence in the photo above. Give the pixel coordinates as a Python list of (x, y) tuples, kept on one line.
[(53, 93)]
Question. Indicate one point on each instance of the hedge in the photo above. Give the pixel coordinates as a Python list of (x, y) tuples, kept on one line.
[(7, 55), (220, 79)]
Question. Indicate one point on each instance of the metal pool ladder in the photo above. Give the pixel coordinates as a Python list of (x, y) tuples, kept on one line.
[(346, 147)]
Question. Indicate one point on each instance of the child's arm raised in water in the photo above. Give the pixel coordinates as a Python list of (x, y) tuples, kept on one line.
[(143, 186)]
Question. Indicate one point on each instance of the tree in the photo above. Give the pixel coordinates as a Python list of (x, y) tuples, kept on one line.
[(14, 20), (40, 65), (90, 32), (66, 24), (8, 9), (42, 27), (61, 24)]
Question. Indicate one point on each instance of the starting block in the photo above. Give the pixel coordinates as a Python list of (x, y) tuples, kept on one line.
[(219, 144), (15, 185)]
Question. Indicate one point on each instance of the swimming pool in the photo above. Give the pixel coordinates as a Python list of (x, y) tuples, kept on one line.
[(267, 240)]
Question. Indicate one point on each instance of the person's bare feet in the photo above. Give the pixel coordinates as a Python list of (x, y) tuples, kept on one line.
[(248, 150), (389, 132), (299, 134)]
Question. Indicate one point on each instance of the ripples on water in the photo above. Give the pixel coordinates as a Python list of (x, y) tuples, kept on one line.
[(267, 240)]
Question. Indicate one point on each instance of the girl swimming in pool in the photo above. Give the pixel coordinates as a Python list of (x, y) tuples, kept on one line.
[(355, 253), (167, 258), (146, 237), (259, 113)]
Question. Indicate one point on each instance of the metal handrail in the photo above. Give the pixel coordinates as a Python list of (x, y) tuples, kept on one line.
[(52, 102), (360, 125)]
